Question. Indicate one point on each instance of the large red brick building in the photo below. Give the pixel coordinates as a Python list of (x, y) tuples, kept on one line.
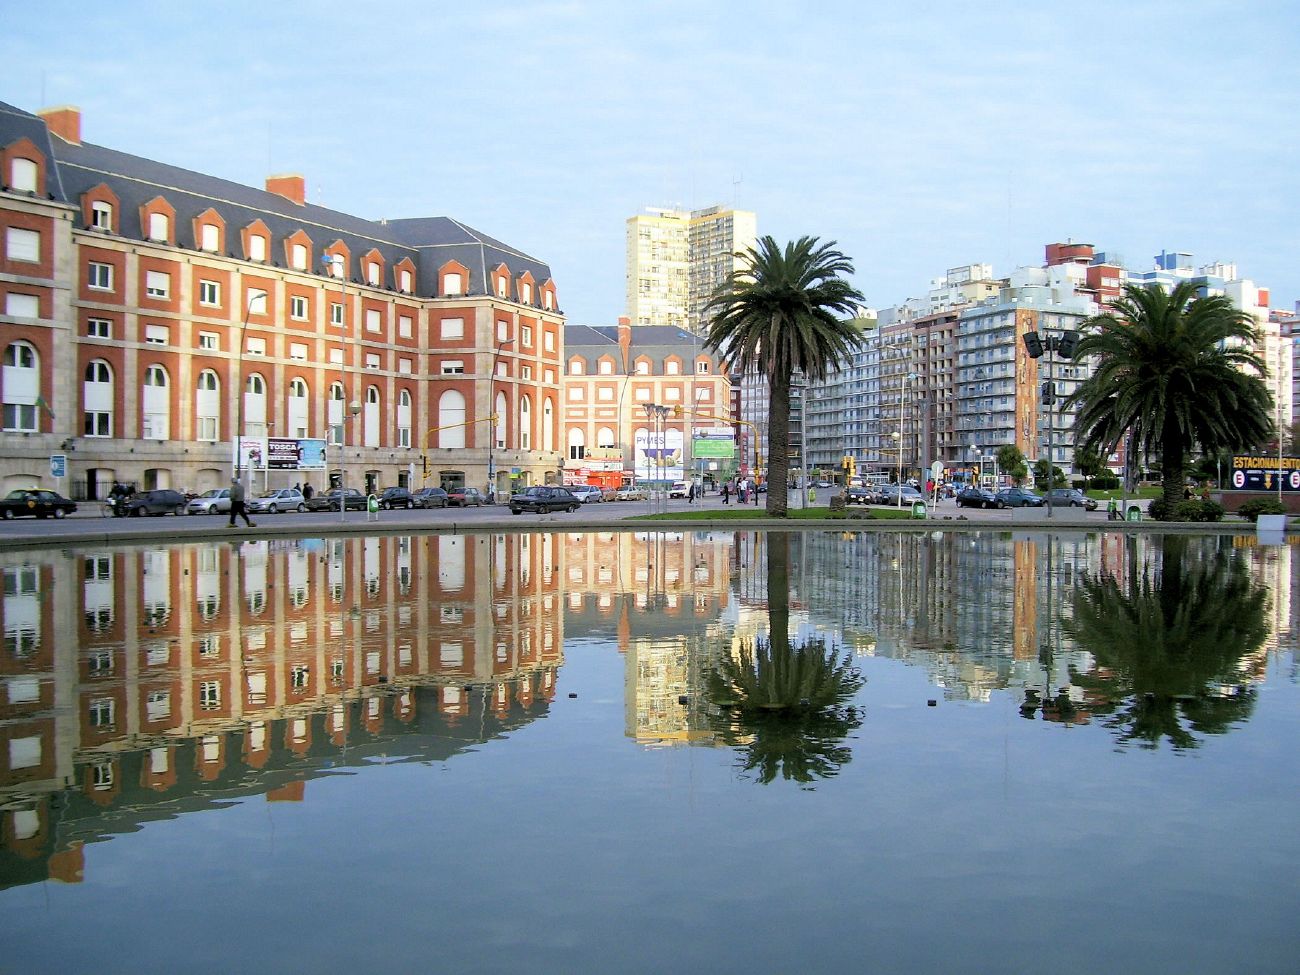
[(150, 315)]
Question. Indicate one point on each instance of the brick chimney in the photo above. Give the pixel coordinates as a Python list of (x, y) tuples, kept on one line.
[(64, 121), (291, 186), (625, 341)]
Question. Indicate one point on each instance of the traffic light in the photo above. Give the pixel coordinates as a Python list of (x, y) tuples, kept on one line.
[(1033, 344), (1068, 344), (424, 464), (677, 411)]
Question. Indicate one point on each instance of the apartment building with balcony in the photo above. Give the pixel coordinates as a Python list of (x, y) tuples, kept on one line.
[(151, 315)]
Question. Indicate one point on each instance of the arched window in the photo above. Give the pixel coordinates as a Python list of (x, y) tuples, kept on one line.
[(548, 424), (577, 444), (605, 437), (254, 407), (22, 386), (23, 174), (207, 407), (155, 405), (525, 423), (404, 419), (97, 400), (502, 416), (371, 418), (159, 227), (297, 407), (451, 419), (298, 256), (336, 413), (452, 284)]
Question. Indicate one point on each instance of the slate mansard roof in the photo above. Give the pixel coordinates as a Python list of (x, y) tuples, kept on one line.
[(430, 242)]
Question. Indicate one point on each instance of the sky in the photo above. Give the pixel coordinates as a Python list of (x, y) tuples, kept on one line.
[(918, 136)]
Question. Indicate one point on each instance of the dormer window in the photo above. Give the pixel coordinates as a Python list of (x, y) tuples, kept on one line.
[(526, 293), (210, 238), (453, 284), (101, 216), (501, 287), (256, 247), (159, 227), (406, 282), (298, 257), (372, 274), (546, 300), (338, 265), (22, 175)]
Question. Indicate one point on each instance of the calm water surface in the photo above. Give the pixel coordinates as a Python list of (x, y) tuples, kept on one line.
[(723, 752)]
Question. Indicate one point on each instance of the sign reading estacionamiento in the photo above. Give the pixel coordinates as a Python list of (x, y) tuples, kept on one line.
[(1258, 473)]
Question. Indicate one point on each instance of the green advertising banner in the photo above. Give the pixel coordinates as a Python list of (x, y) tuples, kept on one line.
[(715, 448)]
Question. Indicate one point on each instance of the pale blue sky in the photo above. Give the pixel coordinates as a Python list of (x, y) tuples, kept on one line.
[(920, 136)]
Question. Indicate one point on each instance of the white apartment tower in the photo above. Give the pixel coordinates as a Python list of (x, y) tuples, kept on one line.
[(676, 259)]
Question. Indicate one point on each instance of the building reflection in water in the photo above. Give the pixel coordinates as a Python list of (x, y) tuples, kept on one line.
[(138, 683)]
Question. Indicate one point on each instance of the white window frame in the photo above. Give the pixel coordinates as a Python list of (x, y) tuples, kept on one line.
[(298, 351), (158, 285), (23, 175), (451, 328), (99, 328), (374, 320), (298, 308), (336, 314), (256, 247), (452, 367), (209, 341), (209, 293), (160, 227), (101, 215), (405, 325), (22, 244), (157, 335), (298, 257), (209, 238), (20, 305), (99, 276)]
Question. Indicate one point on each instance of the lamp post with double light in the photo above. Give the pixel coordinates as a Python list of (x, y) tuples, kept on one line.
[(897, 437), (491, 491), (251, 298)]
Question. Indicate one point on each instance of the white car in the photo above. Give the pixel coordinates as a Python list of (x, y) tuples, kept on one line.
[(631, 494), (273, 502), (214, 502), (679, 489), (587, 493)]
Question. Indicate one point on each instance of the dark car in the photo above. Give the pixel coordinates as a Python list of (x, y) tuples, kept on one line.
[(463, 497), (977, 497), (429, 497), (36, 502), (396, 497), (540, 500), (1019, 498), (1070, 498), (354, 500), (162, 501), (859, 495)]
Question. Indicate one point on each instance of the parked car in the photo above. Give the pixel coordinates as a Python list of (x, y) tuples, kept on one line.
[(587, 493), (353, 499), (858, 495), (540, 500), (430, 497), (630, 494), (1070, 498), (214, 502), (463, 497), (36, 502), (273, 502), (1015, 497), (888, 494), (977, 497), (679, 489), (823, 484), (396, 497), (162, 501)]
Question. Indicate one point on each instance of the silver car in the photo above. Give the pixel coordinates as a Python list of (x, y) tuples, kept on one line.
[(587, 493), (273, 502), (214, 502)]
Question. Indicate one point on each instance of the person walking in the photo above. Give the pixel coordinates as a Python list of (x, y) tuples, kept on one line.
[(690, 493), (237, 508), (726, 492), (307, 492)]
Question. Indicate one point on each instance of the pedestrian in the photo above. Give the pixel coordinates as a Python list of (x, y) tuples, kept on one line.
[(690, 494), (307, 492), (237, 508), (743, 488), (726, 492)]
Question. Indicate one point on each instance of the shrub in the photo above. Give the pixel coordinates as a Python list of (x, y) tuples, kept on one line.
[(1255, 507), (1197, 510)]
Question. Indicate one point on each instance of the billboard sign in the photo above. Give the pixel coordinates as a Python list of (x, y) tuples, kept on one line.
[(658, 455), (1256, 473), (285, 453), (717, 444)]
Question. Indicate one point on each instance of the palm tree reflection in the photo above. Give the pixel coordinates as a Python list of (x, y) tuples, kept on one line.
[(786, 706), (1169, 651)]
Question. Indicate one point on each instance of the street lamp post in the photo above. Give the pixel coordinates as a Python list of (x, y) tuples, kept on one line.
[(897, 437), (336, 266), (1066, 343), (250, 298), (491, 491)]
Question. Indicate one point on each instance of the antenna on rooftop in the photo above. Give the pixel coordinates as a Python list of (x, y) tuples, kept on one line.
[(735, 189)]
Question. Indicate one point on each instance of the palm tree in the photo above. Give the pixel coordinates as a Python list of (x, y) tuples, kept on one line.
[(1176, 370), (779, 314)]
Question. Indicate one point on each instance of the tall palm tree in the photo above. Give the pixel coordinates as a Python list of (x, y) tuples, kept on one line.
[(786, 310), (1178, 371)]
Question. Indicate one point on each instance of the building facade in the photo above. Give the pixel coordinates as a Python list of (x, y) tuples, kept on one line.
[(153, 315), (677, 259)]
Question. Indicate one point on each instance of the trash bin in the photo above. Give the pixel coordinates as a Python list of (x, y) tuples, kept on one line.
[(918, 509), (372, 505), (1134, 513)]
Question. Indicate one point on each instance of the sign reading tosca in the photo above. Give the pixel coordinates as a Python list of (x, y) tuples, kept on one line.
[(1262, 473)]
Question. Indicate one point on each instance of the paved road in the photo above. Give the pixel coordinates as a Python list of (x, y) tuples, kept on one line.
[(90, 521)]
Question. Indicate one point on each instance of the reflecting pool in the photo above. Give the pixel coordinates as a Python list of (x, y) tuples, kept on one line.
[(640, 752)]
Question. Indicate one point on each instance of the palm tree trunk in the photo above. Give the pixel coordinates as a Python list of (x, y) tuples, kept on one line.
[(1173, 465), (778, 445), (778, 590)]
